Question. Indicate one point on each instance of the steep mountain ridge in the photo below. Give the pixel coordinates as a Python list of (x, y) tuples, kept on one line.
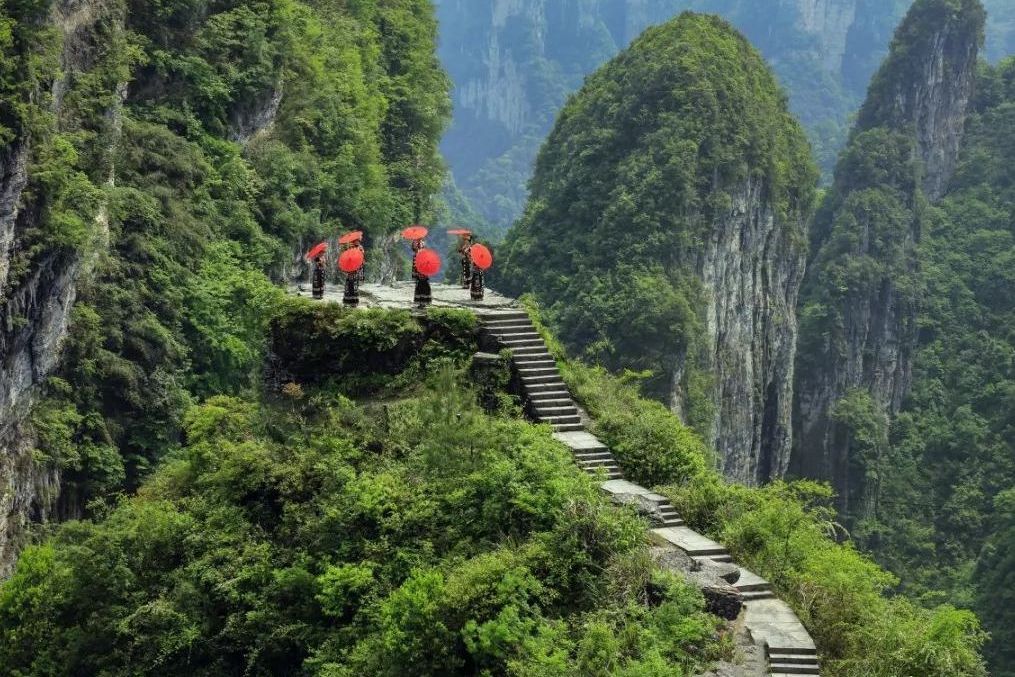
[(514, 62), (863, 290)]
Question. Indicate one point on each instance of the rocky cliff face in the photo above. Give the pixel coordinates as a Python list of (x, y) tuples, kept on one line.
[(862, 292), (35, 305), (751, 269)]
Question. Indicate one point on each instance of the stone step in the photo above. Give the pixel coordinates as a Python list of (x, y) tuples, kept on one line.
[(791, 669), (517, 351), (516, 335), (592, 455), (673, 523), (525, 343), (536, 371), (564, 410), (690, 541), (551, 402), (569, 428), (593, 462), (755, 595), (542, 379), (791, 659), (792, 650), (558, 420), (521, 361), (501, 315), (534, 359), (612, 473), (541, 388), (551, 395)]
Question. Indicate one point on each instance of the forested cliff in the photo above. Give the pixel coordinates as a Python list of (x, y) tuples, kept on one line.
[(160, 159), (667, 231), (862, 293)]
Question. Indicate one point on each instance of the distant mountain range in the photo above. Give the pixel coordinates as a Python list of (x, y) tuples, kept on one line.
[(515, 62)]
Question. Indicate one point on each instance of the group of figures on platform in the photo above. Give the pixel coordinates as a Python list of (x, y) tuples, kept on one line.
[(476, 259), (351, 262)]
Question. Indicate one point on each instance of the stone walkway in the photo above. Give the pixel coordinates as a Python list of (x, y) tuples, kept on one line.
[(399, 295), (770, 622)]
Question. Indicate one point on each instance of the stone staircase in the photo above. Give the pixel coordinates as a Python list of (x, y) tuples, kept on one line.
[(789, 649), (787, 662)]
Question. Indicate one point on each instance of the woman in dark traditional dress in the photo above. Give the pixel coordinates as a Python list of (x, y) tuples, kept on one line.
[(463, 248), (422, 297), (476, 283), (319, 277), (350, 297)]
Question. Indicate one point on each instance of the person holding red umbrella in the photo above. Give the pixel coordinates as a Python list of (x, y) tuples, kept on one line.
[(481, 259), (317, 256), (351, 262), (422, 296), (464, 243)]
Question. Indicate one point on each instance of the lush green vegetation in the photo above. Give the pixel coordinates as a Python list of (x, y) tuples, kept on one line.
[(641, 164), (247, 129), (314, 535), (943, 522), (787, 533)]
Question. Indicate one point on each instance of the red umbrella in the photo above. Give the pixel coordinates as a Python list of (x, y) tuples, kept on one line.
[(428, 263), (349, 238), (317, 251), (459, 231), (481, 256), (414, 233), (351, 260)]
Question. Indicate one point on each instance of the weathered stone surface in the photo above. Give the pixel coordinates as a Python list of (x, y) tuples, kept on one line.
[(751, 267), (723, 601)]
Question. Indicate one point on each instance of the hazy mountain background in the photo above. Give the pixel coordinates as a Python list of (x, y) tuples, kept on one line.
[(513, 64)]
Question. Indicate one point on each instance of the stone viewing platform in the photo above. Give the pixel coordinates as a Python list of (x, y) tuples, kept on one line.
[(399, 295), (777, 644)]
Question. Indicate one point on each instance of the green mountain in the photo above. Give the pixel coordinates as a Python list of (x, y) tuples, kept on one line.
[(666, 231)]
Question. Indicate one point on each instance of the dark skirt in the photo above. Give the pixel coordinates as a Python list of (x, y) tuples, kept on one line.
[(351, 296), (422, 296), (318, 284), (476, 285), (466, 272)]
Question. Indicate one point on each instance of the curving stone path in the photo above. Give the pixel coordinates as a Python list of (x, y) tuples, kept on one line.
[(788, 646), (771, 623)]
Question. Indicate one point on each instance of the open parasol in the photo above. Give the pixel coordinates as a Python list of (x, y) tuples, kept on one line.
[(317, 251), (459, 231), (481, 256), (351, 260), (414, 233), (428, 262), (349, 238)]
